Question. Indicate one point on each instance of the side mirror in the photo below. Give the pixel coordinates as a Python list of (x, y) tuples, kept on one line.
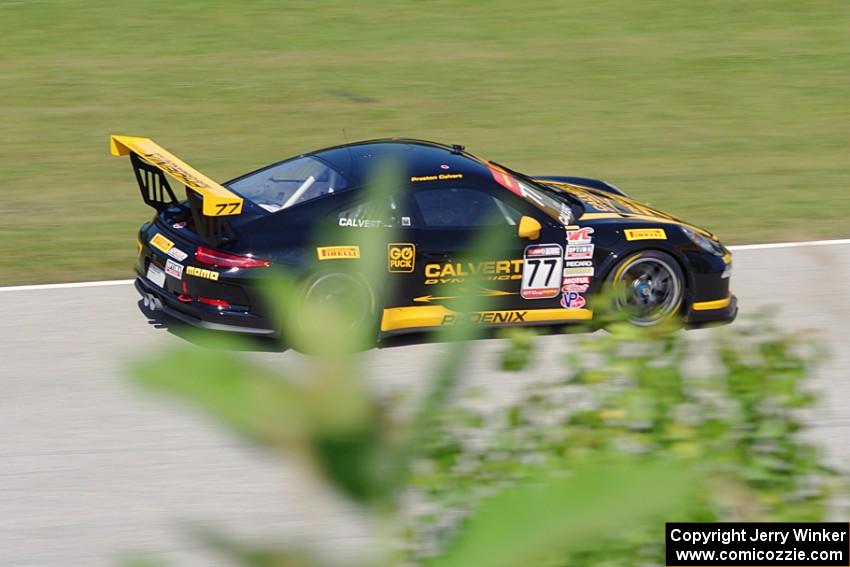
[(528, 228)]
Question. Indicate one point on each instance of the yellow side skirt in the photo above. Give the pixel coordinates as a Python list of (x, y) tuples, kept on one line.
[(709, 305), (398, 318)]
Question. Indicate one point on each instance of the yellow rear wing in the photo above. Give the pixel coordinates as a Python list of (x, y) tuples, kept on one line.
[(151, 162)]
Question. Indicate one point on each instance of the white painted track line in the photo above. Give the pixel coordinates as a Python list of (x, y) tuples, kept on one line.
[(65, 285), (767, 246), (788, 244)]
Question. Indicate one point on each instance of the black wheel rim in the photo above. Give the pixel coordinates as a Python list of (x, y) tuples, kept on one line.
[(341, 294), (649, 290)]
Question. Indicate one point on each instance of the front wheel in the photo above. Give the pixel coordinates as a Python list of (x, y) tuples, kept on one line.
[(648, 287)]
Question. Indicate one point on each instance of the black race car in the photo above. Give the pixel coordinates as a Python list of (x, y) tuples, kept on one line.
[(200, 258)]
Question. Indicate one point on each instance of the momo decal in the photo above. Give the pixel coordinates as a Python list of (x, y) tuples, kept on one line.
[(572, 300), (174, 269), (645, 234), (458, 272), (541, 272), (401, 257), (201, 273), (338, 252)]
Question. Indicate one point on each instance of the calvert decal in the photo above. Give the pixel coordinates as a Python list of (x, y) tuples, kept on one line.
[(542, 271), (458, 272), (161, 243), (338, 252), (174, 269), (645, 234), (361, 223), (201, 273), (401, 257), (439, 177)]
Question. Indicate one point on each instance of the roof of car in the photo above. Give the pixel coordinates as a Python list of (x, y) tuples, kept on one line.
[(418, 159)]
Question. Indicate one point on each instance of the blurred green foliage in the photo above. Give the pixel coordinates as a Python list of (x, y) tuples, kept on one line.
[(644, 426), (725, 405), (731, 114)]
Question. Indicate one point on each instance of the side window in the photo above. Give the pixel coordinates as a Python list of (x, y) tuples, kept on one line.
[(460, 207), (371, 214)]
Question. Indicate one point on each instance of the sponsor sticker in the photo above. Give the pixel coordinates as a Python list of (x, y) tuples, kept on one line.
[(161, 243), (174, 269), (405, 221), (579, 252), (177, 254), (401, 257), (569, 272), (201, 273), (645, 234), (541, 271), (579, 263), (338, 252), (572, 300), (179, 225), (439, 177), (580, 235)]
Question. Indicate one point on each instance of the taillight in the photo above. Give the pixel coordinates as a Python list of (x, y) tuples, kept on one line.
[(214, 302), (224, 260)]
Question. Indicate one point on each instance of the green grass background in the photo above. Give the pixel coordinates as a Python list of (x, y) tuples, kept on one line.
[(734, 115)]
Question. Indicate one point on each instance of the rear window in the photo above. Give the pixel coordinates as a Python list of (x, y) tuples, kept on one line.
[(289, 183)]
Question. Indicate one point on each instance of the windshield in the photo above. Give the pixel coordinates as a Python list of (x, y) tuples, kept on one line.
[(550, 202), (289, 183)]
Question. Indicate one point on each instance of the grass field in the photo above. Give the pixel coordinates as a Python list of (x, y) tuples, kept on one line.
[(734, 115)]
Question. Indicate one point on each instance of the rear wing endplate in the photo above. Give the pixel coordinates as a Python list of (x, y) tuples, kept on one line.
[(150, 164)]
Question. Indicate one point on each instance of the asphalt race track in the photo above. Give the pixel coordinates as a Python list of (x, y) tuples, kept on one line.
[(92, 469)]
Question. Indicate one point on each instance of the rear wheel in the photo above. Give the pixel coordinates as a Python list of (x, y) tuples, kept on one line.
[(336, 311), (649, 287)]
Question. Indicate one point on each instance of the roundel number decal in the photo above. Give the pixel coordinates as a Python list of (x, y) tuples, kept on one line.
[(542, 268)]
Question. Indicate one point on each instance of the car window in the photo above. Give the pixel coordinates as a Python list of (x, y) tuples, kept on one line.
[(290, 183), (460, 207)]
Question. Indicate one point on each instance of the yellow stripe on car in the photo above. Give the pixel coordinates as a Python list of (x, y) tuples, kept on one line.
[(399, 318), (710, 305)]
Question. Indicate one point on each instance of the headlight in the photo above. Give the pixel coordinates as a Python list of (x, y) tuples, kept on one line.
[(704, 242)]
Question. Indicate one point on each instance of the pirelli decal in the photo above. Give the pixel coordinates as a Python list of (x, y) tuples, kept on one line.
[(338, 252), (161, 243), (645, 234)]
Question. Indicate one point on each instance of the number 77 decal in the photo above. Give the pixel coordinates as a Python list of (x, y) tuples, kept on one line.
[(542, 268)]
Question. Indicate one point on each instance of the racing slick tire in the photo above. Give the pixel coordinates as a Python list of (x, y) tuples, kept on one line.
[(647, 288), (335, 311)]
